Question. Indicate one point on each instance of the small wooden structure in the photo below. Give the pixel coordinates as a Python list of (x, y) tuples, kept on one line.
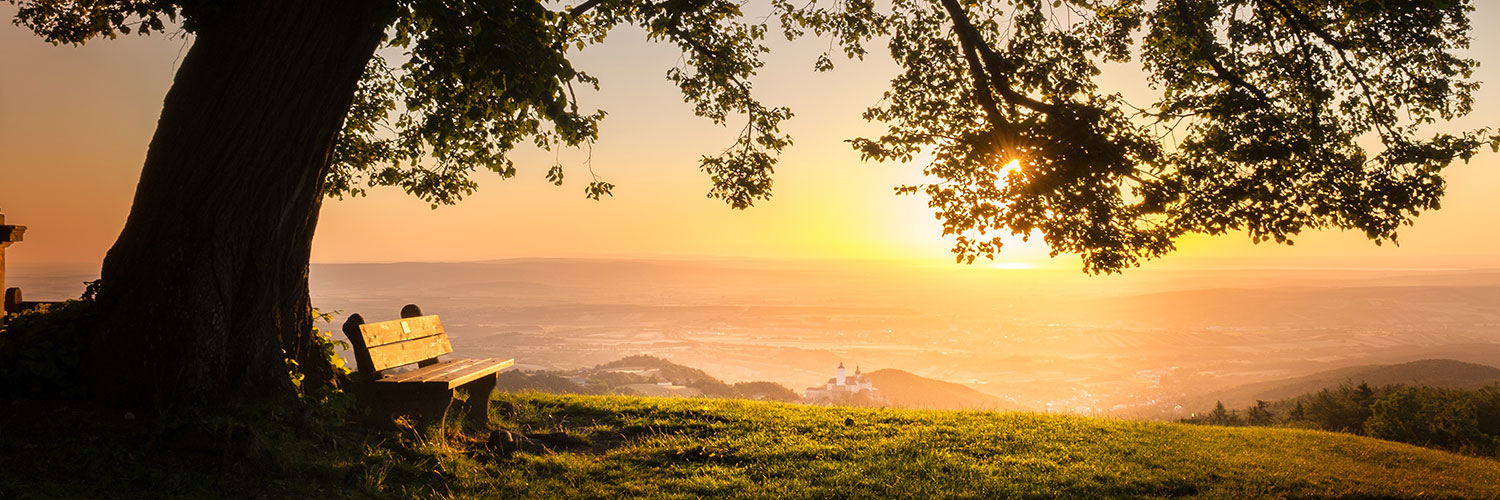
[(9, 234), (15, 304), (427, 392)]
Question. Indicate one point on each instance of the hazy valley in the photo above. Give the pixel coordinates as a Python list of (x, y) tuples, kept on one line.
[(1133, 346)]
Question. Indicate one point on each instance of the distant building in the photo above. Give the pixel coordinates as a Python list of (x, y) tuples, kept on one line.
[(841, 388)]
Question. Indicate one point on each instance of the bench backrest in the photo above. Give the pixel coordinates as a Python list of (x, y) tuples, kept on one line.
[(400, 342)]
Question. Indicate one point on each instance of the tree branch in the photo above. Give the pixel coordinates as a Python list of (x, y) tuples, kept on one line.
[(1293, 14), (990, 71), (981, 83), (584, 7), (1297, 19), (1213, 60)]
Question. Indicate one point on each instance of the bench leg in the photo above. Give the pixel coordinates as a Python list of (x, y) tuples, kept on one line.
[(431, 407), (423, 408), (427, 407), (477, 408)]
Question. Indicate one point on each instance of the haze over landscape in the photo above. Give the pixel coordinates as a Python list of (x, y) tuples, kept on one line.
[(1138, 345)]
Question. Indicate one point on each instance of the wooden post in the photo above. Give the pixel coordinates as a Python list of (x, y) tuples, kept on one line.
[(8, 235), (12, 302), (413, 311), (362, 361)]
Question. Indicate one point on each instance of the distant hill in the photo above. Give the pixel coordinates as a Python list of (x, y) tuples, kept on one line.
[(630, 375), (642, 376), (673, 372), (909, 390), (1445, 373)]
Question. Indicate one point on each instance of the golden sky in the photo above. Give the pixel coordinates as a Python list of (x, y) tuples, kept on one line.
[(75, 123)]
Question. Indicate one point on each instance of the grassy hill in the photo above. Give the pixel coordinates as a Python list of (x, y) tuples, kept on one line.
[(627, 447), (718, 448), (1445, 373), (904, 389)]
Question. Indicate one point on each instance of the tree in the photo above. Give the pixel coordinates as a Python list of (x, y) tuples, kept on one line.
[(1432, 417), (1260, 414), (280, 102), (204, 295), (1221, 416), (1298, 413), (1344, 409)]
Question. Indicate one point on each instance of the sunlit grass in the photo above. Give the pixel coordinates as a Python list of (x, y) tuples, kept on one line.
[(629, 447), (732, 449)]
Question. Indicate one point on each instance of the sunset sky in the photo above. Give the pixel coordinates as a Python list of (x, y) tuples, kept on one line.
[(75, 123)]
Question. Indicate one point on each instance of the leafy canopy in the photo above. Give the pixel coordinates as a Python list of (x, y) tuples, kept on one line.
[(1273, 116)]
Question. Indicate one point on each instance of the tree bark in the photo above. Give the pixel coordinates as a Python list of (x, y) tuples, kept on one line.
[(205, 292)]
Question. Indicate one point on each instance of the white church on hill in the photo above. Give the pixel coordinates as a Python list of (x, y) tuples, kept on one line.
[(841, 386)]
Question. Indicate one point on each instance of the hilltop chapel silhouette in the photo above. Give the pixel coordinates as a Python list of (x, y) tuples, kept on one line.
[(841, 386)]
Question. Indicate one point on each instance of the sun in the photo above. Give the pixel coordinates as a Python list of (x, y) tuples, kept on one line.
[(1013, 166), (1002, 177)]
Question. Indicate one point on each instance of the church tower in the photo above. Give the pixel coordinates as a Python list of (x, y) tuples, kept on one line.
[(839, 379)]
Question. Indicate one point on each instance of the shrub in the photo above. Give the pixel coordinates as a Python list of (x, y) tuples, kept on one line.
[(1344, 409), (327, 400), (41, 350), (1427, 416)]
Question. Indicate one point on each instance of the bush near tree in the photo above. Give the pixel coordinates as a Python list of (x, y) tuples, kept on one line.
[(1460, 420)]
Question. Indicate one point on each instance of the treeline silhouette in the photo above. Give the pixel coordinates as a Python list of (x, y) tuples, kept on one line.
[(1460, 420)]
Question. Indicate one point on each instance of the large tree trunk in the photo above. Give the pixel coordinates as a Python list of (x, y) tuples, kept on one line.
[(205, 292)]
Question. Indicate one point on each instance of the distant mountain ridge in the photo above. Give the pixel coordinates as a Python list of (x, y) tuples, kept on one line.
[(1444, 373), (908, 390)]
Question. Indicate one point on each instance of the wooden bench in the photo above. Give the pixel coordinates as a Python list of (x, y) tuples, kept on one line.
[(427, 392)]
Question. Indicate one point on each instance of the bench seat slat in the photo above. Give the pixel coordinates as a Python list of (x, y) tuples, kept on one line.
[(475, 372), (430, 372), (483, 371), (449, 375)]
